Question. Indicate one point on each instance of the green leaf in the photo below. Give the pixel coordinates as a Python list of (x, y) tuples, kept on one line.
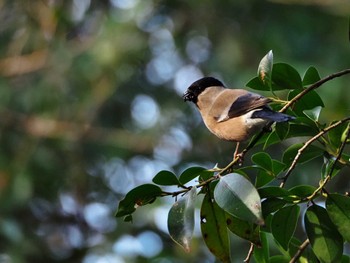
[(311, 76), (302, 191), (279, 259), (308, 154), (284, 76), (325, 240), (277, 167), (265, 68), (263, 160), (139, 196), (283, 224), (329, 166), (300, 130), (271, 139), (181, 220), (273, 191), (237, 196), (338, 208), (335, 135), (307, 102), (190, 173), (282, 130), (128, 218), (243, 229), (270, 205), (262, 254), (263, 177), (313, 114), (214, 230), (205, 175), (257, 84), (165, 178)]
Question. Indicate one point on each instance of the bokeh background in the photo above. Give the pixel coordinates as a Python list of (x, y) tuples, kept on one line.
[(90, 107)]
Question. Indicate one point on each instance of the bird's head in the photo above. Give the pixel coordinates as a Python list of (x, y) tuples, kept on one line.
[(198, 87)]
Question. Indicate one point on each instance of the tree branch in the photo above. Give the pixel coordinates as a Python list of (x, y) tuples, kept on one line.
[(314, 86)]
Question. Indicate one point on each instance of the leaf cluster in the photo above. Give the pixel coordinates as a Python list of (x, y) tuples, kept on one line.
[(258, 210)]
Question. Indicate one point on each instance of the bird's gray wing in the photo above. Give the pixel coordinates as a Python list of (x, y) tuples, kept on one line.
[(243, 104)]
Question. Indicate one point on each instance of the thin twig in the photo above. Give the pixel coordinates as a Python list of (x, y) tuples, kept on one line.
[(314, 86), (300, 251), (250, 253), (308, 143), (321, 186)]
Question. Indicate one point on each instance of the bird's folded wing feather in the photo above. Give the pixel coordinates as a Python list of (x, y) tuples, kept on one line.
[(234, 103)]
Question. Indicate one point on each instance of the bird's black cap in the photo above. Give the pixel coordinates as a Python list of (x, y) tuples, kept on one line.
[(198, 86)]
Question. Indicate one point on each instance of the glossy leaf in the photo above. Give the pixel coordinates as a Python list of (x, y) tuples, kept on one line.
[(265, 68), (284, 76), (335, 135), (283, 224), (139, 196), (263, 160), (273, 191), (257, 84), (311, 76), (277, 167), (325, 240), (308, 154), (271, 139), (190, 173), (282, 130), (263, 177), (243, 229), (307, 102), (213, 228), (329, 167), (313, 114), (205, 175), (165, 178), (299, 130), (262, 254), (272, 204), (338, 208), (181, 220), (302, 191), (237, 196)]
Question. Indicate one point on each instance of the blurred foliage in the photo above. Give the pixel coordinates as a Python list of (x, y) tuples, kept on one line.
[(90, 108)]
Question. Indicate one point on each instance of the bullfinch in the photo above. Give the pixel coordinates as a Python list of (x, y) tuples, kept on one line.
[(231, 114)]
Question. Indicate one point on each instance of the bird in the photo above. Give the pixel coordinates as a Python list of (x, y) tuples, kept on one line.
[(231, 114)]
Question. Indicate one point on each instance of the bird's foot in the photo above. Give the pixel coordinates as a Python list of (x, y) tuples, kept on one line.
[(239, 157)]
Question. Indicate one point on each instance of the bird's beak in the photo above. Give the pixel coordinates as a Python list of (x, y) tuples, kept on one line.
[(187, 96)]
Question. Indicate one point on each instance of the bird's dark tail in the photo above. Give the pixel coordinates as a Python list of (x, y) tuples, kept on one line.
[(271, 115)]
